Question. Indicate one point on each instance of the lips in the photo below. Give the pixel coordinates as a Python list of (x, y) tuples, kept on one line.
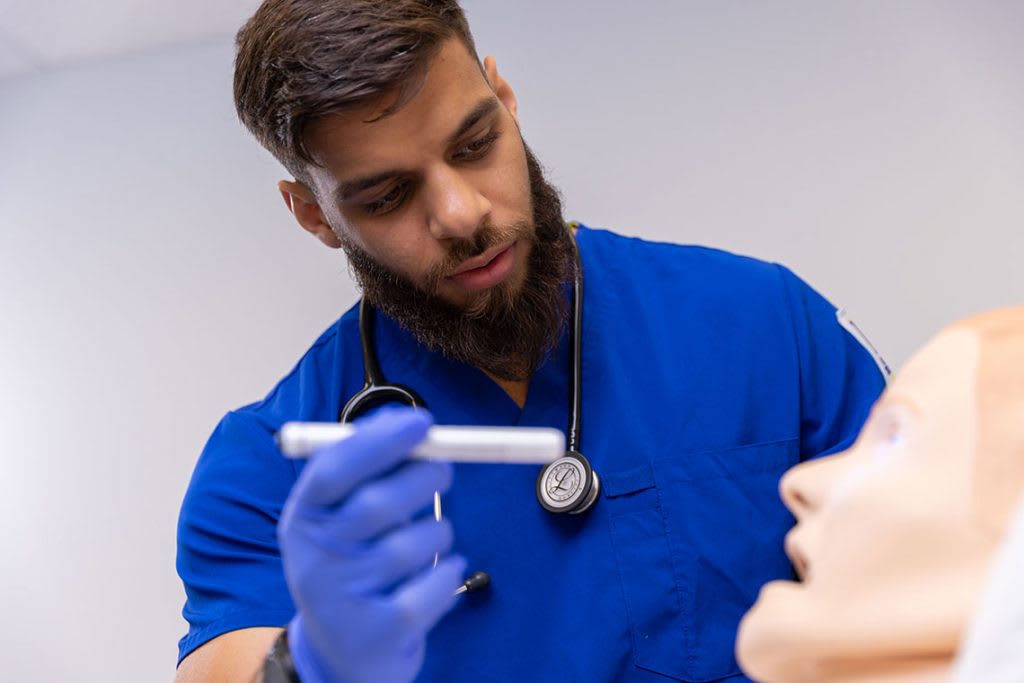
[(486, 270), (797, 556), (480, 261)]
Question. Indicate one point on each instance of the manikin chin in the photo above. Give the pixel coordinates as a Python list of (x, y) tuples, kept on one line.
[(894, 536)]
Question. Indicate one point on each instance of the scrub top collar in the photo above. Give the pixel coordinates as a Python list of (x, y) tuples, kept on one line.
[(457, 393)]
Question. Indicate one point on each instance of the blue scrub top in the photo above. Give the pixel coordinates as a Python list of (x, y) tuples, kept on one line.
[(705, 376)]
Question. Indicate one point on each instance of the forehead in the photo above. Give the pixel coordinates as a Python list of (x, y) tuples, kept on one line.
[(362, 139), (942, 375)]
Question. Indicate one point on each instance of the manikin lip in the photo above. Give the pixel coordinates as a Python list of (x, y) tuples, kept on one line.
[(797, 556), (482, 260)]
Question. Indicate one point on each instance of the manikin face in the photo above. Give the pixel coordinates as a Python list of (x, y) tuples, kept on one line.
[(885, 542), (448, 162)]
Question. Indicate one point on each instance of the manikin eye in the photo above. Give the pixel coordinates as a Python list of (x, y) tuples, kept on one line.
[(892, 435), (884, 444)]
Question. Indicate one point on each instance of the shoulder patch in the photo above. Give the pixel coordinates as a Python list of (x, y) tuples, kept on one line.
[(847, 324)]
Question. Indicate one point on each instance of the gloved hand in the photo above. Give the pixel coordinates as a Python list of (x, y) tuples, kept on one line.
[(358, 561)]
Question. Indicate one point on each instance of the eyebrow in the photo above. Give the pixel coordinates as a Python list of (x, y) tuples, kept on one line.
[(890, 399), (484, 108)]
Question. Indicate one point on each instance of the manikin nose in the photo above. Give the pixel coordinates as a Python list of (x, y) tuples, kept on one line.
[(798, 491), (806, 487)]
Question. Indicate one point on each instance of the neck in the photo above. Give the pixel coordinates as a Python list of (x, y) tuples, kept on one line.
[(516, 389)]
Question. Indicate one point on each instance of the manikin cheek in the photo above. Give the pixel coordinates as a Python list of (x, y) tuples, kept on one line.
[(884, 464), (879, 537), (862, 474)]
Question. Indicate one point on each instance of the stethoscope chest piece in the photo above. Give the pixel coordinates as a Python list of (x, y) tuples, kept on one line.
[(568, 485)]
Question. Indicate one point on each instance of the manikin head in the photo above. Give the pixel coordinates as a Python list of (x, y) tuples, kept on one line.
[(406, 153), (894, 536)]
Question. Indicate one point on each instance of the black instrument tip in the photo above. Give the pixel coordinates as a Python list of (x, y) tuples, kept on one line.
[(477, 582)]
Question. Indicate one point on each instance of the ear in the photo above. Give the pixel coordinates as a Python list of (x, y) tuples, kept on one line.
[(500, 87), (301, 201)]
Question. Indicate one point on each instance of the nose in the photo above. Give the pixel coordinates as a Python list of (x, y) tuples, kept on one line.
[(457, 207), (804, 487), (794, 491)]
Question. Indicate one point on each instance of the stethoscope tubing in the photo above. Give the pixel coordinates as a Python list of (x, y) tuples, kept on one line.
[(576, 349), (376, 390)]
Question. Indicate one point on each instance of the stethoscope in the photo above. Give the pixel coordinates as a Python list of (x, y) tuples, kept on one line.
[(569, 485)]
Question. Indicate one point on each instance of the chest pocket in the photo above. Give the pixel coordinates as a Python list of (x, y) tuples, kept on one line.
[(696, 535)]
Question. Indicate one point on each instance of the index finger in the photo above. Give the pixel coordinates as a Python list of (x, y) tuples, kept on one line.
[(380, 442)]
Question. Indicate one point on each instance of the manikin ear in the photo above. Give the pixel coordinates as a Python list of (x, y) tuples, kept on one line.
[(500, 87), (303, 205)]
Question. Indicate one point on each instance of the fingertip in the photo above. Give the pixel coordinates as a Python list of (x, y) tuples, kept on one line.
[(424, 414), (456, 564), (445, 475), (420, 418), (453, 565), (447, 536), (397, 414), (429, 596), (407, 426)]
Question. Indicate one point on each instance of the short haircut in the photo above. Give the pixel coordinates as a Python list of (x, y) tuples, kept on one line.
[(301, 60)]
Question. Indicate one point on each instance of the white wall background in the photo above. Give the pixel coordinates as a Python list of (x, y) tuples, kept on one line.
[(150, 278)]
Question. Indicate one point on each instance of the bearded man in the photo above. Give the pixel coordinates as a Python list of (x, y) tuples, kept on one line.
[(702, 376)]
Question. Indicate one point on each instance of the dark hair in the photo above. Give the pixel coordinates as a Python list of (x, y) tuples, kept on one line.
[(301, 60)]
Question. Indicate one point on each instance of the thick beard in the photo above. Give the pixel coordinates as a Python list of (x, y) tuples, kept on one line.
[(506, 330)]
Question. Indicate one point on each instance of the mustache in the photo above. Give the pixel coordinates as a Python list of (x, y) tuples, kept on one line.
[(487, 237), (507, 331)]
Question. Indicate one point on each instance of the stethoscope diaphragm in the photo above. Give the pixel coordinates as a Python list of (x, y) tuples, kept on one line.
[(568, 485)]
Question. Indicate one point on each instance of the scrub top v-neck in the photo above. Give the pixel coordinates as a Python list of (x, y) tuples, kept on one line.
[(705, 376)]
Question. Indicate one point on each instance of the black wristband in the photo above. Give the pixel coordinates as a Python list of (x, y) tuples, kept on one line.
[(278, 666)]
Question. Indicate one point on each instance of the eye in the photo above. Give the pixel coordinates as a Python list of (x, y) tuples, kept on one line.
[(389, 202), (894, 434), (890, 434), (478, 148)]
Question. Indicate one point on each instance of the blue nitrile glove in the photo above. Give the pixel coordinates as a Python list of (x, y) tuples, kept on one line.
[(358, 560)]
